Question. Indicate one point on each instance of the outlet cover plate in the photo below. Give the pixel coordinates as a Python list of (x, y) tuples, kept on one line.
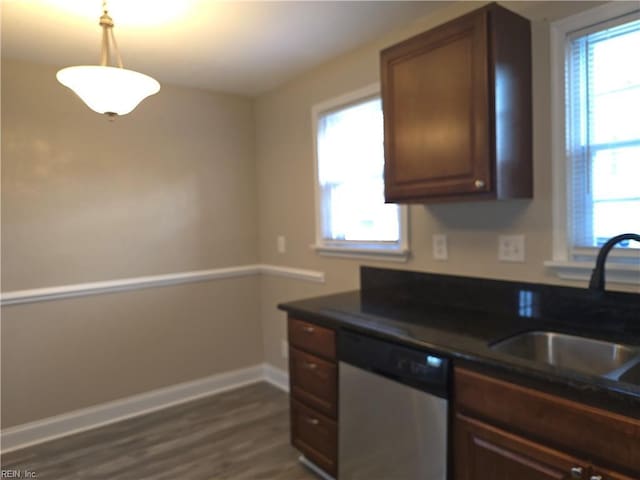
[(511, 248), (439, 244)]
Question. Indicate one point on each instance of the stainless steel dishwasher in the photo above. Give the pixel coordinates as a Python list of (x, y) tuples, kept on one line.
[(393, 411)]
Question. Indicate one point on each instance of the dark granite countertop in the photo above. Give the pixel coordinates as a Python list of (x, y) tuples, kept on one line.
[(461, 317)]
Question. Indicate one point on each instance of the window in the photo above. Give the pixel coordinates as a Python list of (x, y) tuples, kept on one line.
[(603, 131), (352, 218), (597, 137)]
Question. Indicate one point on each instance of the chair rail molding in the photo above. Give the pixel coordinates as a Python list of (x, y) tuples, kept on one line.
[(44, 294)]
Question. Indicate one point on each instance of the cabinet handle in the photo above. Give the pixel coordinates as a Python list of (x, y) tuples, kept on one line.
[(312, 421), (596, 477), (576, 472), (308, 329), (310, 366), (479, 183)]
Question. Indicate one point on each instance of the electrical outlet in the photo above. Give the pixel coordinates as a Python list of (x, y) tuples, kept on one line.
[(284, 349), (511, 248), (281, 243), (439, 244)]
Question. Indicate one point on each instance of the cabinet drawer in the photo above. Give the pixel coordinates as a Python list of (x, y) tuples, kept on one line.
[(606, 437), (312, 338), (314, 381), (314, 435)]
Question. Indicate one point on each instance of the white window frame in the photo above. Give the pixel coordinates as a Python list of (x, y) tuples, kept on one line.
[(568, 262), (346, 248)]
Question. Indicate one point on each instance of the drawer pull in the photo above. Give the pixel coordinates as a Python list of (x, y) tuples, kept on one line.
[(596, 477), (479, 183), (312, 421), (308, 329), (310, 366), (576, 472)]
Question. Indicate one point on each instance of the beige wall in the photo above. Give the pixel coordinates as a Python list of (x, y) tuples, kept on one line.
[(168, 188), (64, 355), (285, 182)]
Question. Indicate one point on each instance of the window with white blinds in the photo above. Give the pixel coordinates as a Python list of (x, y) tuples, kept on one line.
[(602, 92), (351, 212)]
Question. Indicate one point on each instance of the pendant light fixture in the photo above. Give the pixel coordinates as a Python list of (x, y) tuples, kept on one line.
[(112, 90)]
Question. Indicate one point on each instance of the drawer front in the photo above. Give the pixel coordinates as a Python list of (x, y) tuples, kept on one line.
[(315, 435), (314, 381), (594, 433), (312, 338)]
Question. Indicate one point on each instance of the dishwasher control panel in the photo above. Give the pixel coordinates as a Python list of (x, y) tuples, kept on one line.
[(416, 367)]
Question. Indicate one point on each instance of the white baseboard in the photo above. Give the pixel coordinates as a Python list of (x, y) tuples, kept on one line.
[(40, 431), (276, 377)]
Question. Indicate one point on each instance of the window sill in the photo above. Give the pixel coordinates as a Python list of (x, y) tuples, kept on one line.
[(615, 273), (363, 253)]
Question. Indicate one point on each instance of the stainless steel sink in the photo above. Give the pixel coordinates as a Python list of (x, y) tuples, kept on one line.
[(595, 357)]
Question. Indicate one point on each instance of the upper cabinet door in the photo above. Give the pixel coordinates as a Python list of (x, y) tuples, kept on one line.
[(457, 110)]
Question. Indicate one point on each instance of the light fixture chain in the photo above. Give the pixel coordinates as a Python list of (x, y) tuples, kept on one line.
[(105, 54), (108, 39), (115, 48)]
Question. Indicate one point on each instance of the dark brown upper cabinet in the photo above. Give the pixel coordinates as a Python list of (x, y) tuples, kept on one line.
[(457, 111)]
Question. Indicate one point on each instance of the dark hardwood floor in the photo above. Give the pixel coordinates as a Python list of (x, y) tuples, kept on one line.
[(240, 434)]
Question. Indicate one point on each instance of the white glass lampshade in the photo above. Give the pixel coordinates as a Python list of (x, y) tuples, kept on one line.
[(109, 90)]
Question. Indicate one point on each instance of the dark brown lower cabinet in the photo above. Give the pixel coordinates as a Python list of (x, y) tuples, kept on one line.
[(314, 381), (314, 435), (504, 431), (598, 473), (483, 452), (313, 377)]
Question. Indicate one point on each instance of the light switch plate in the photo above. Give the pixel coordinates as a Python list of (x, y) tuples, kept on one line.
[(439, 244), (511, 248)]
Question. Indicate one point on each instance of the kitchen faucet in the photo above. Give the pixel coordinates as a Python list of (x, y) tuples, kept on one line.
[(597, 276)]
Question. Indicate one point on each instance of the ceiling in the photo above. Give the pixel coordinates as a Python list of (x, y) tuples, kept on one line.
[(244, 47)]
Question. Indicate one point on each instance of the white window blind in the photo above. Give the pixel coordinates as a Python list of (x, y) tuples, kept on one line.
[(603, 131), (352, 214)]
